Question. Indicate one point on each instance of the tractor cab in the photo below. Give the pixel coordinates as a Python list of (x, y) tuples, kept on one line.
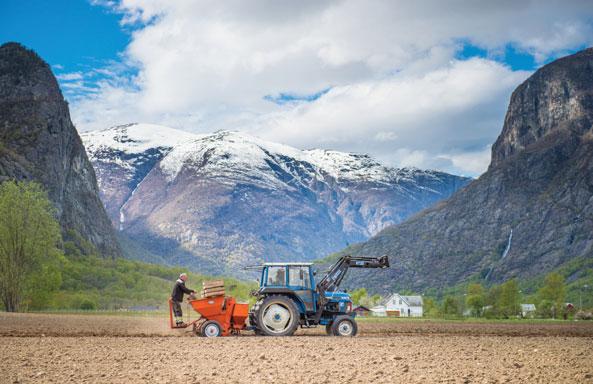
[(295, 279), (298, 280), (295, 275)]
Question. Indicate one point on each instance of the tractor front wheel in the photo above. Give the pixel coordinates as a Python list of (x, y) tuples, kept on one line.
[(344, 326), (277, 316)]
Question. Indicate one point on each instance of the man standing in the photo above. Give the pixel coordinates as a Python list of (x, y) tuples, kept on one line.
[(177, 297)]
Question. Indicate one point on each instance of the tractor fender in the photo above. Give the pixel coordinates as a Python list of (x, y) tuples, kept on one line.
[(286, 292)]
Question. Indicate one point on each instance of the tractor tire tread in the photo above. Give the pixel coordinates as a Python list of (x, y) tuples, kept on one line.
[(338, 320), (293, 308)]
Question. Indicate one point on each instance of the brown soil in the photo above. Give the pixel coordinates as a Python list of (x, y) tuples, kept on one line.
[(385, 352), (157, 325)]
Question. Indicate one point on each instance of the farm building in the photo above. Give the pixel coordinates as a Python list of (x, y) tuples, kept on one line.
[(379, 311), (527, 310), (361, 311), (403, 306)]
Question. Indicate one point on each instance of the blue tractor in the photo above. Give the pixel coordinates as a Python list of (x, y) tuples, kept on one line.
[(288, 297)]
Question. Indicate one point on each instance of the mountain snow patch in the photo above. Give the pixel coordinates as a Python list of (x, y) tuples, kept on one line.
[(236, 155), (134, 138)]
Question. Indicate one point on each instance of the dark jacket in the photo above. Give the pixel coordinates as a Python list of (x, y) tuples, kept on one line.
[(179, 289)]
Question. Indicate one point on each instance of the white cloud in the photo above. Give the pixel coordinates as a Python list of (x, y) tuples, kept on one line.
[(396, 89), (70, 76), (424, 120), (471, 162), (385, 136)]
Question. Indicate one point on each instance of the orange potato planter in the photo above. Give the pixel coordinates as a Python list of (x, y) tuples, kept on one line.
[(226, 311)]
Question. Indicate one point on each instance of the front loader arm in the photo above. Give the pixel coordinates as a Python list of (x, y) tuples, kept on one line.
[(331, 281)]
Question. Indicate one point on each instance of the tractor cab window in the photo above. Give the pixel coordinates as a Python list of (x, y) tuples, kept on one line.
[(276, 276), (299, 277)]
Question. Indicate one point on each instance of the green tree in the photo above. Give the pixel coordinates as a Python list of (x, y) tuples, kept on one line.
[(40, 288), (493, 295), (450, 306), (508, 303), (545, 309), (29, 242), (553, 293), (475, 299), (430, 308), (490, 300), (375, 300), (88, 305), (358, 296)]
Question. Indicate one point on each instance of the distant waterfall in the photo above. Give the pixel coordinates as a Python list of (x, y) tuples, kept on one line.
[(122, 215), (508, 248), (122, 218), (504, 254)]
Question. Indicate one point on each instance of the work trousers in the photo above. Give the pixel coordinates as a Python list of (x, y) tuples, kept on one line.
[(177, 309)]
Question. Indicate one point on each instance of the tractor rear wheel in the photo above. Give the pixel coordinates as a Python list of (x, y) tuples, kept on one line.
[(277, 316), (344, 326), (211, 328)]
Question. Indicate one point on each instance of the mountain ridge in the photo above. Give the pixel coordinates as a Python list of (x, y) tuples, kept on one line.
[(345, 197)]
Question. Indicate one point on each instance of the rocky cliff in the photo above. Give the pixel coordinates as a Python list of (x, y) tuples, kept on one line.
[(220, 201), (529, 213), (38, 142)]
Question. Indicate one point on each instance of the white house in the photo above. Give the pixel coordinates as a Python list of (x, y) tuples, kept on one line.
[(403, 306), (527, 310), (378, 310)]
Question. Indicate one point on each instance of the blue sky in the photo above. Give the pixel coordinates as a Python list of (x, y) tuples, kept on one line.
[(421, 84), (510, 56), (73, 36), (72, 33)]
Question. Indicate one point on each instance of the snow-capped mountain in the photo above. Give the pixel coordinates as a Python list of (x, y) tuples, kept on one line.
[(226, 199), (122, 156)]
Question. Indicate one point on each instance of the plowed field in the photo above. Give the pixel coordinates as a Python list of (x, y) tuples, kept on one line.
[(132, 349)]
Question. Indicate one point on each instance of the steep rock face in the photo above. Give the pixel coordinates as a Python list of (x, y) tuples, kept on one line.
[(529, 213), (223, 200), (38, 142), (556, 99)]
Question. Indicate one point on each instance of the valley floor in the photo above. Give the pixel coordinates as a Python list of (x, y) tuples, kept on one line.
[(123, 349)]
